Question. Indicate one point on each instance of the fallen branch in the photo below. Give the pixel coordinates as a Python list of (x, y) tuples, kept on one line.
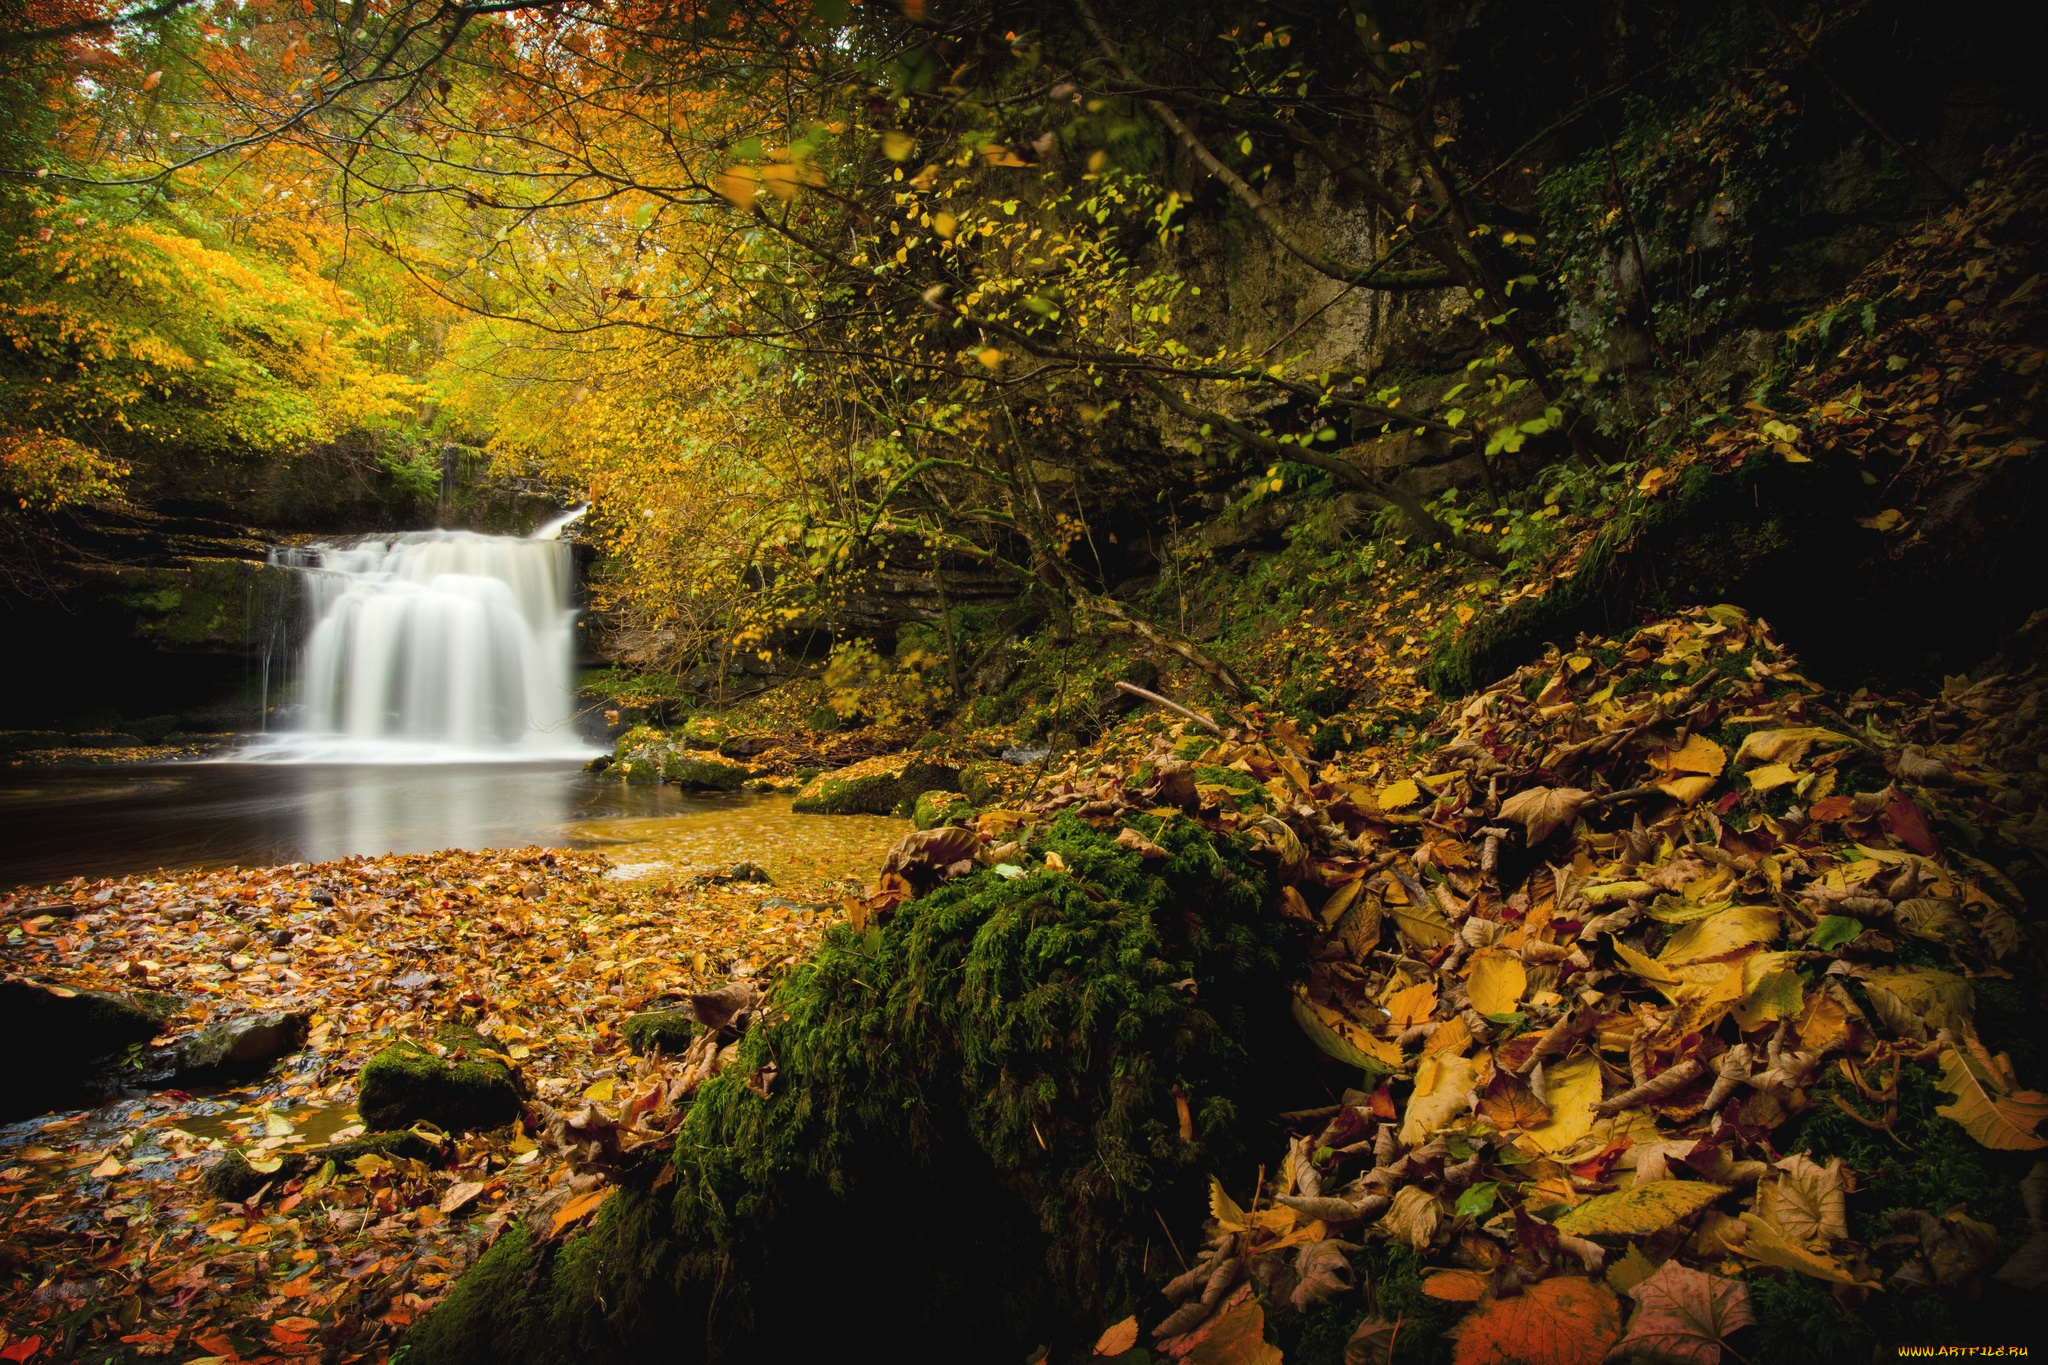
[(1196, 716)]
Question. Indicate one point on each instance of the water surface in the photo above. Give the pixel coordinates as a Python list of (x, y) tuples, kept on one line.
[(106, 822)]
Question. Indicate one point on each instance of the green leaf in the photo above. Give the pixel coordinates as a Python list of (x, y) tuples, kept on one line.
[(1833, 931), (1479, 1200)]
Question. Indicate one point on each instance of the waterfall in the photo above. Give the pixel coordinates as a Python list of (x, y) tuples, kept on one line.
[(433, 646)]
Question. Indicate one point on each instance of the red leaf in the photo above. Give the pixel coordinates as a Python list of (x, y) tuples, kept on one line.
[(1908, 824), (1685, 1313), (23, 1349)]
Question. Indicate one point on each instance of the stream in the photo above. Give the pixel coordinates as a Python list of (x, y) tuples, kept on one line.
[(123, 821)]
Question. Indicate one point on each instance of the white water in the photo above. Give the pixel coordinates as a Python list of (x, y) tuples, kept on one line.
[(434, 646)]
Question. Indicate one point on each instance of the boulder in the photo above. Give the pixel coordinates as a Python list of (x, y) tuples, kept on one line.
[(56, 1035), (665, 1031), (460, 1091), (935, 808), (879, 793), (240, 1046), (701, 774), (232, 1177)]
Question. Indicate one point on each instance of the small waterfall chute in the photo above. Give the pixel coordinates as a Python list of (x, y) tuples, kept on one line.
[(433, 645)]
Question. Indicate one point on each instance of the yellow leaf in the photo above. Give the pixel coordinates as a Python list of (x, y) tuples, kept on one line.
[(1697, 755), (519, 1052), (1997, 1117), (107, 1169), (898, 146), (1396, 795), (1640, 1210), (1686, 790), (1341, 1038), (1771, 989), (582, 1204), (1642, 964), (277, 1125), (1223, 1208), (1414, 1216), (740, 184), (1443, 1087), (1771, 775), (1542, 811), (1457, 1286), (990, 357), (781, 180), (1573, 1090), (1412, 1005), (266, 1165), (1943, 999), (602, 1091), (1765, 1243), (1807, 1201), (945, 224), (1721, 934), (1496, 982)]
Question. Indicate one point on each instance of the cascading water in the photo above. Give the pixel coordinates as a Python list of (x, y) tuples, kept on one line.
[(433, 645)]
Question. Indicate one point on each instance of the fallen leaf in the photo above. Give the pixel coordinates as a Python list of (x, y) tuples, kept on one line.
[(1765, 1243), (107, 1169), (1685, 1315), (1998, 1117), (1414, 1216), (1396, 795), (1720, 934), (1118, 1339), (1496, 982), (1697, 755), (1573, 1088), (1771, 776), (1456, 1286), (1233, 1335), (1640, 1209), (1412, 1005), (1443, 1086), (1564, 1320), (1542, 811), (1340, 1038), (1510, 1106), (1789, 745), (1807, 1201), (576, 1208), (602, 1092), (460, 1195)]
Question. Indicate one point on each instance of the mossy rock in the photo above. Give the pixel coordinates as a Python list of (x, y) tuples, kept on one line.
[(233, 1178), (975, 784), (702, 774), (666, 1031), (407, 1084), (936, 808), (879, 793), (1010, 1047), (639, 770), (638, 737), (240, 1046), (703, 732)]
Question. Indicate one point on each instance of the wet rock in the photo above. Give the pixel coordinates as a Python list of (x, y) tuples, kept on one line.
[(240, 1046), (702, 774), (457, 1092), (664, 1031), (751, 872), (59, 1035), (599, 764), (1021, 756), (232, 1178), (746, 746)]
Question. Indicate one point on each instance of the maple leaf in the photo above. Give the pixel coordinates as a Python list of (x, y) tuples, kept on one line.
[(1563, 1320), (1235, 1334), (1808, 1200), (1685, 1315), (1508, 1104), (1991, 1111)]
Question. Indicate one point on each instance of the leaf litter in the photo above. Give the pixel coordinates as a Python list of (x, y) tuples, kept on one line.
[(537, 951)]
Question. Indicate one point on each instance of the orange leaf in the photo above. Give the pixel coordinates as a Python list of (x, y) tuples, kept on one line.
[(1413, 1005), (1562, 1321), (1509, 1105), (299, 1288), (1118, 1339), (576, 1208), (1456, 1286), (1233, 1335)]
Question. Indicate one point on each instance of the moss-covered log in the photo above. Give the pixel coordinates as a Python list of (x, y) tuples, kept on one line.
[(973, 1121)]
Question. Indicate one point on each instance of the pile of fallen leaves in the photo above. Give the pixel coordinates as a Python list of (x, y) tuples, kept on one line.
[(111, 1237), (1593, 947)]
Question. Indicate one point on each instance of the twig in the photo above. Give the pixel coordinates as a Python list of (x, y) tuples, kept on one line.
[(1169, 1237), (1173, 706)]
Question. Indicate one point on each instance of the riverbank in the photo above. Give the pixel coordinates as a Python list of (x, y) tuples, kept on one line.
[(545, 954)]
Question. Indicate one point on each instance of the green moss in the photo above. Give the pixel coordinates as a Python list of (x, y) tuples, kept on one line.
[(701, 774), (972, 1124), (703, 732), (407, 1084), (1244, 788), (666, 1031), (879, 793), (233, 1178), (937, 808)]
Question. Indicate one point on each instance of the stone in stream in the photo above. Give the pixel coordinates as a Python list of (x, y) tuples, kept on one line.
[(232, 1177), (935, 808), (56, 1036), (407, 1084), (665, 1031), (701, 774), (879, 793), (239, 1046)]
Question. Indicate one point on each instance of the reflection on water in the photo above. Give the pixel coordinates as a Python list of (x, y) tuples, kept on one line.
[(62, 823)]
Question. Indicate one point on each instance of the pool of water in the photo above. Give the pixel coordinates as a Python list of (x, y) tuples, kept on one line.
[(106, 822)]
